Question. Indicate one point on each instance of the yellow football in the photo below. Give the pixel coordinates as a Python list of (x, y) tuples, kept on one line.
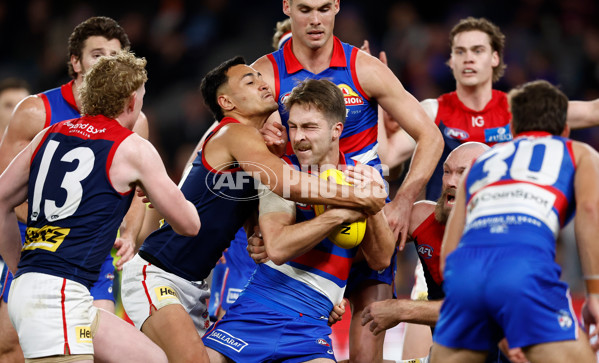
[(346, 235)]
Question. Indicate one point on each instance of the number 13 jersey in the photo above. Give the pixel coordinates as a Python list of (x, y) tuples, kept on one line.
[(523, 188), (74, 211)]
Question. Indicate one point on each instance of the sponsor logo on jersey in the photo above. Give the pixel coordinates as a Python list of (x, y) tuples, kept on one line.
[(83, 334), (84, 128), (564, 320), (165, 292), (284, 98), (498, 134), (47, 238), (322, 342), (232, 295), (222, 337), (457, 134), (425, 251), (351, 97), (478, 121)]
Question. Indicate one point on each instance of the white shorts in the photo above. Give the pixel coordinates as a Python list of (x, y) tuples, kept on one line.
[(420, 290), (52, 315), (145, 285)]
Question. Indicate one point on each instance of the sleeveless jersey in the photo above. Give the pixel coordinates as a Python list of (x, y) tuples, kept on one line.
[(523, 189), (359, 138), (72, 202), (459, 124), (427, 239), (311, 283), (59, 104), (224, 200)]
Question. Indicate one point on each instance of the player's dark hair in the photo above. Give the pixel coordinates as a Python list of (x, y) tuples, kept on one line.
[(95, 26), (14, 83), (496, 38), (322, 94), (212, 82), (538, 106)]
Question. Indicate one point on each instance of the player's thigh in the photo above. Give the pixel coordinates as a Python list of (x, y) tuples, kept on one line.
[(442, 354), (417, 342), (107, 305), (8, 334), (118, 341), (563, 351), (217, 357), (173, 330), (319, 360)]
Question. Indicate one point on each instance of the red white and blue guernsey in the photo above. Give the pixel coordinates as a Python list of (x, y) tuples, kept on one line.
[(359, 138), (288, 304), (518, 196), (459, 124), (72, 203), (224, 200)]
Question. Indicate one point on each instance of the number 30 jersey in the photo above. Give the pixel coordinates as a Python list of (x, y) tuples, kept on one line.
[(521, 191), (74, 211)]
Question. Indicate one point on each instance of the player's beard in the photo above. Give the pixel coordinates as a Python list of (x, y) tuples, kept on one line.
[(441, 211)]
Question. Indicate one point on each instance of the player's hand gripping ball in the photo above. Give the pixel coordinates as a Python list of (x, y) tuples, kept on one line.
[(346, 235)]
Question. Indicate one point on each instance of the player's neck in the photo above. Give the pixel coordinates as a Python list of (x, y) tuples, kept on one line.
[(330, 159), (256, 121), (475, 97), (314, 60), (76, 86)]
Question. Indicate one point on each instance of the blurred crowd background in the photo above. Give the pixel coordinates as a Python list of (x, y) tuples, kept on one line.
[(556, 40)]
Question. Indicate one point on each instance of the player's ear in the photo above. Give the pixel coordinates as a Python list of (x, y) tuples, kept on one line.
[(287, 7), (337, 130), (76, 63), (225, 103), (131, 102), (337, 6), (566, 132)]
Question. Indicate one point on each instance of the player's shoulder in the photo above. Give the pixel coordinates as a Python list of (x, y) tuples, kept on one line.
[(28, 119), (421, 210)]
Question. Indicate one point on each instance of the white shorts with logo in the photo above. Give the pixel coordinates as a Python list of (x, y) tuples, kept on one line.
[(145, 285), (52, 315)]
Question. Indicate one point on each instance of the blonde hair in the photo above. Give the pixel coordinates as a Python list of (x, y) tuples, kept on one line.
[(110, 82), (283, 27)]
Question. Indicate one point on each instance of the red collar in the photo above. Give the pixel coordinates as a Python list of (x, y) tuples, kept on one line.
[(67, 92), (293, 65)]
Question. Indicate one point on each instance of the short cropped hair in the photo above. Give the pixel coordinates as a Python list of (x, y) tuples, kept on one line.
[(213, 81), (324, 95), (110, 82), (95, 26), (14, 83), (538, 106), (496, 37)]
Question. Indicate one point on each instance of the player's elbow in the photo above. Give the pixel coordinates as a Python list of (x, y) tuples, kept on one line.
[(190, 228), (276, 255), (378, 264)]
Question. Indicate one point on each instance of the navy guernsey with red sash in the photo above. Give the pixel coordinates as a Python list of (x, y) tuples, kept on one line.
[(72, 202), (224, 200)]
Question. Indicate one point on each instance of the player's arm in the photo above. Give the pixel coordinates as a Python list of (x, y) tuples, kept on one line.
[(583, 114), (13, 192), (586, 228), (378, 244), (137, 162), (27, 120), (383, 315), (379, 82), (285, 239), (455, 224), (255, 158), (132, 222)]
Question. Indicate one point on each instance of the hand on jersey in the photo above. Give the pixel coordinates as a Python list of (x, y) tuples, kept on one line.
[(275, 137), (337, 313), (398, 215), (256, 247), (381, 315), (361, 175)]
